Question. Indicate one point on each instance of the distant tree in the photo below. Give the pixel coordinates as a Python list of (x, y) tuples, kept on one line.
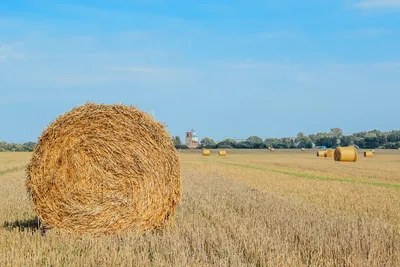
[(393, 136), (360, 134), (271, 142), (286, 143), (245, 145), (382, 139), (300, 135), (26, 147), (313, 137), (255, 142), (336, 132), (304, 142), (29, 146), (327, 141), (292, 144), (347, 140), (176, 140), (371, 140), (207, 143), (227, 143)]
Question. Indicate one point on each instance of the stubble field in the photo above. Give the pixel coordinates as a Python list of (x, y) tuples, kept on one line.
[(252, 208)]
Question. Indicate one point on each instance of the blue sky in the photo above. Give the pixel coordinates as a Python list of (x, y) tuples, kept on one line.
[(226, 68)]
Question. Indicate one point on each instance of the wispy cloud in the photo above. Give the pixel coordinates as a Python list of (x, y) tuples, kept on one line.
[(138, 69), (8, 52), (276, 34), (373, 4), (257, 65), (367, 32)]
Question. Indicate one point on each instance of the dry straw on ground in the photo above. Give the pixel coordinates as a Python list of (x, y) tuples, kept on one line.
[(104, 169), (346, 154)]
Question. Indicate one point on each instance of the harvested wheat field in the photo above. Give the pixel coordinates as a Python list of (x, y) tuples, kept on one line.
[(253, 208)]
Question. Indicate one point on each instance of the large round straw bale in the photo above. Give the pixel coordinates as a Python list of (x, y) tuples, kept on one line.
[(222, 153), (104, 169), (346, 154), (321, 154), (368, 154), (206, 152)]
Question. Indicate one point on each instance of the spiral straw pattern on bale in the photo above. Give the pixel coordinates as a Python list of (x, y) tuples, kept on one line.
[(222, 153), (321, 154), (368, 154), (346, 154), (206, 152), (104, 169)]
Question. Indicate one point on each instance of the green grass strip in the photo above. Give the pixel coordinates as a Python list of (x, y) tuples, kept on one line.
[(312, 176), (11, 170)]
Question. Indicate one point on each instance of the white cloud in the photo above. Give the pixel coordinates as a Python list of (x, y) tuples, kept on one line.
[(370, 4)]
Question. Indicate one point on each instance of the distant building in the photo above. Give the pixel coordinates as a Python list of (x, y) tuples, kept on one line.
[(192, 141), (289, 138)]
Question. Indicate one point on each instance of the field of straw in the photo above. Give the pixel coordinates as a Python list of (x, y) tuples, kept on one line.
[(251, 208)]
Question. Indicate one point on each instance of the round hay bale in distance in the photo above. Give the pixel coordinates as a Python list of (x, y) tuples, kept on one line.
[(303, 149), (368, 154), (330, 153), (346, 154), (222, 153), (321, 154), (104, 169), (206, 152)]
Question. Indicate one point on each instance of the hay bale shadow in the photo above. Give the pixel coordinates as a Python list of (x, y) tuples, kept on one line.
[(32, 225)]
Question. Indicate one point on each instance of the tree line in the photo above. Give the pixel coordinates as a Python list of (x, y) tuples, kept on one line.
[(25, 147), (334, 138)]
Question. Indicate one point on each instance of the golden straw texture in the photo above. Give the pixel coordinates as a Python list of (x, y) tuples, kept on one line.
[(368, 154), (321, 153), (330, 153), (222, 153), (206, 152), (346, 154), (104, 169)]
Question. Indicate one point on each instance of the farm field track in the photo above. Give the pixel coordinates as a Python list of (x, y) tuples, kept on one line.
[(251, 208)]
